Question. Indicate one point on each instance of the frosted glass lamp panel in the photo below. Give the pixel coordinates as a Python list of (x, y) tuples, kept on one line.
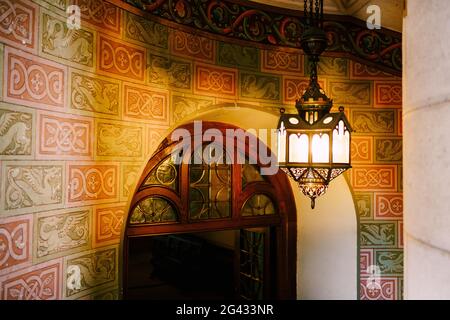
[(298, 148), (341, 144), (321, 148), (282, 143)]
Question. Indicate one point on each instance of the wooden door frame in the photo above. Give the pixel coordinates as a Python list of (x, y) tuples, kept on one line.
[(280, 191)]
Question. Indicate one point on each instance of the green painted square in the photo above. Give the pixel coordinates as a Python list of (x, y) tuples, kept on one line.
[(364, 205), (350, 92), (183, 106), (97, 269), (59, 43), (169, 72), (60, 233), (331, 67), (145, 32), (378, 234), (390, 261), (259, 86), (373, 122), (233, 55)]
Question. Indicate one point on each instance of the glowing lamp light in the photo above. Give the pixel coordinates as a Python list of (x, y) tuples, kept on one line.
[(314, 145), (314, 154)]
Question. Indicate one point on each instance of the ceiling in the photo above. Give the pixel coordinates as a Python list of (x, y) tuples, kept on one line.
[(391, 10)]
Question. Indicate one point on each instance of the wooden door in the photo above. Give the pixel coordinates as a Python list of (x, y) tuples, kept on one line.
[(190, 197)]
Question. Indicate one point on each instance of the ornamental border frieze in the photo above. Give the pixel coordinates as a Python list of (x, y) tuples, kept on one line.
[(244, 21)]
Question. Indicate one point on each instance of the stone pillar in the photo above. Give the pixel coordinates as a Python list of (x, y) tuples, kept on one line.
[(426, 119)]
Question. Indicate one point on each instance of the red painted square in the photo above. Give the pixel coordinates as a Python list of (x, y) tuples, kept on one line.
[(146, 104), (19, 24), (40, 282), (92, 182), (215, 81), (189, 45), (100, 14), (362, 149), (388, 206), (32, 81), (388, 94), (65, 137), (374, 178), (359, 71), (382, 288), (108, 224), (365, 261), (120, 59), (15, 243)]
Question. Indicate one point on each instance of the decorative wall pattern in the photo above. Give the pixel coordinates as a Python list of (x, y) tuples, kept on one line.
[(16, 132), (199, 48), (86, 271), (82, 110), (59, 42), (251, 22), (18, 24), (40, 282), (64, 136), (116, 141), (100, 14), (59, 233), (92, 94), (32, 81), (92, 182), (282, 62), (15, 243), (32, 186), (119, 60), (108, 224)]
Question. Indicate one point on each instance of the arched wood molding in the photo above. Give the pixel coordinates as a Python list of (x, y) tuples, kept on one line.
[(277, 186), (273, 27)]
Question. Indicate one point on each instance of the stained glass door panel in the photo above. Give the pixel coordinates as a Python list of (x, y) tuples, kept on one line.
[(253, 273), (209, 187)]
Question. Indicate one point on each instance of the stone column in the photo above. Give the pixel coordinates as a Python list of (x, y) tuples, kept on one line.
[(426, 119)]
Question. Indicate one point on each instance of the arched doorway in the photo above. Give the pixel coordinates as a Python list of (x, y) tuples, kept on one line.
[(175, 199)]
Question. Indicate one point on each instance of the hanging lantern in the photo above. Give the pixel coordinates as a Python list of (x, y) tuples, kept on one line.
[(314, 145)]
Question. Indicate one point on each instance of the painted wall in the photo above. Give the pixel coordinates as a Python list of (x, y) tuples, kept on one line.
[(82, 110), (328, 245)]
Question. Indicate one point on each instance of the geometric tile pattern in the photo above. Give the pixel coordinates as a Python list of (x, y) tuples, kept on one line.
[(18, 24), (16, 132), (108, 221), (15, 243), (81, 110), (32, 81), (63, 136), (100, 14), (89, 270), (388, 94), (277, 61), (362, 150), (188, 45), (59, 233), (92, 182), (39, 282), (66, 45)]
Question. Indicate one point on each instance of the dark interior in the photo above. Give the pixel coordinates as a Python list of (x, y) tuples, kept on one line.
[(180, 266)]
